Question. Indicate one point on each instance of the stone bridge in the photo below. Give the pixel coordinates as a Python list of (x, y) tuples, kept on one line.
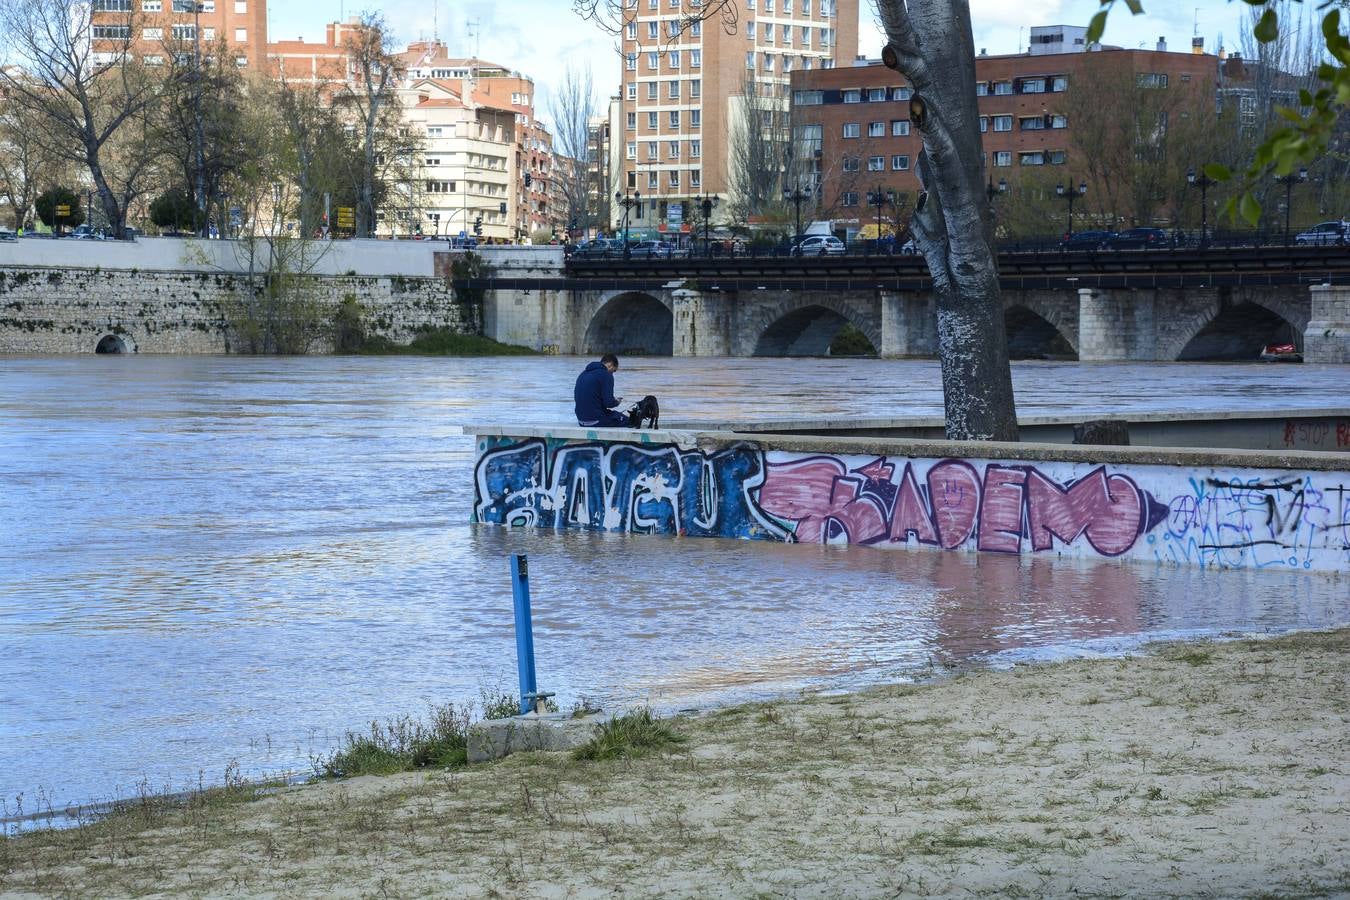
[(1207, 323)]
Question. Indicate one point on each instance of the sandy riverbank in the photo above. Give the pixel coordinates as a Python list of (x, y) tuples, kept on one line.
[(1195, 770)]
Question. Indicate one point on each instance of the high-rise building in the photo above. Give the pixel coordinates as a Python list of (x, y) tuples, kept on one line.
[(682, 83), (157, 30)]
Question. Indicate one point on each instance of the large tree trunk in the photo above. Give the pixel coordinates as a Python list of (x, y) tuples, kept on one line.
[(936, 52)]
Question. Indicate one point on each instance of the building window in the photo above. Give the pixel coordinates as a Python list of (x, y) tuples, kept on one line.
[(695, 149), (984, 124), (695, 59), (876, 163), (696, 29), (851, 163), (440, 187), (112, 32), (808, 98), (673, 59), (1003, 123), (750, 60), (1151, 79), (153, 34), (674, 118), (1059, 83), (848, 198), (653, 150), (651, 183), (433, 161), (651, 121), (853, 96), (630, 30), (787, 35), (1057, 121), (981, 89), (632, 90), (750, 30), (852, 129), (152, 5), (900, 163), (241, 35), (876, 95), (652, 90), (696, 88), (435, 131), (876, 129), (1003, 87), (630, 62), (1033, 85), (1031, 158), (1003, 157), (900, 93), (112, 6), (899, 127), (632, 149), (768, 63), (673, 89), (1031, 123), (696, 178), (653, 60), (632, 121)]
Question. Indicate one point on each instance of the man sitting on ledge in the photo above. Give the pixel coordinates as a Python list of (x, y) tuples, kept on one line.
[(594, 395)]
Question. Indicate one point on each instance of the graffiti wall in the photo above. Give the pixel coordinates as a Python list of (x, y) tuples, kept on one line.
[(1232, 519)]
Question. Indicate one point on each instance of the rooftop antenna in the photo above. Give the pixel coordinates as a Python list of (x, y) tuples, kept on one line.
[(436, 22), (1196, 32), (477, 33)]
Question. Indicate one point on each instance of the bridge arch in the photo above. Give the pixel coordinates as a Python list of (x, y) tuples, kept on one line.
[(115, 343), (631, 322), (806, 324), (1040, 325), (1235, 325)]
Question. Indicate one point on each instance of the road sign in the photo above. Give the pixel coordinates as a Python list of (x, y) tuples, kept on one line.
[(63, 211), (675, 213), (346, 217)]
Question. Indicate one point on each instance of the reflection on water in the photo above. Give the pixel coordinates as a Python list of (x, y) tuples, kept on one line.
[(207, 560)]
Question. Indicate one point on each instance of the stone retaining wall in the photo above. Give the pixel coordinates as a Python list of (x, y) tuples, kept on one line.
[(50, 310)]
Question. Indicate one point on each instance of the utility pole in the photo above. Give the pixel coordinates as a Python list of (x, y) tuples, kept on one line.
[(199, 137)]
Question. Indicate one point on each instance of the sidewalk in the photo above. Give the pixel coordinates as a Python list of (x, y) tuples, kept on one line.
[(1197, 770)]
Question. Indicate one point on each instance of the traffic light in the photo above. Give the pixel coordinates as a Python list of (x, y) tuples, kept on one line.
[(528, 179), (478, 226)]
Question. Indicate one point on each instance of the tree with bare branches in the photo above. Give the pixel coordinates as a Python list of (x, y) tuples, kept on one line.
[(572, 108), (370, 95), (94, 107)]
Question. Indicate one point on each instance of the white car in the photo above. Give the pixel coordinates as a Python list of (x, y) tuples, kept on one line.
[(1325, 233), (819, 245)]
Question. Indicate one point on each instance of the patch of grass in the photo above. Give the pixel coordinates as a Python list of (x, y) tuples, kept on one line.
[(441, 342), (402, 744), (1195, 657), (632, 734)]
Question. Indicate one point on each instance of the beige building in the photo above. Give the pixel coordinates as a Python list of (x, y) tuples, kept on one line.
[(681, 87)]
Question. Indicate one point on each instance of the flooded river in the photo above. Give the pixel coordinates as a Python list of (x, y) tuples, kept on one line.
[(228, 562)]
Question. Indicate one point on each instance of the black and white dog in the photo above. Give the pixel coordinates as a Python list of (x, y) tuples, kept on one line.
[(646, 413)]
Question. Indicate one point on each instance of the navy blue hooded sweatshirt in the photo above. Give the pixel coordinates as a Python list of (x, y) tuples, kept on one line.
[(594, 395)]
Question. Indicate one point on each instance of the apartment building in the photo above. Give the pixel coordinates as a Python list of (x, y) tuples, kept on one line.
[(488, 84), (326, 64), (853, 135), (156, 30), (466, 172), (681, 83)]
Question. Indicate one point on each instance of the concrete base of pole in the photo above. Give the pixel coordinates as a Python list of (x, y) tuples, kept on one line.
[(494, 738)]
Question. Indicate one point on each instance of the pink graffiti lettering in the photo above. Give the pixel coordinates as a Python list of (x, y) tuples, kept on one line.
[(1105, 508), (911, 515), (1001, 510), (954, 492), (821, 498)]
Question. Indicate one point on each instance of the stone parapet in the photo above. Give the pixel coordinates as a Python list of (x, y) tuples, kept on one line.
[(1327, 337)]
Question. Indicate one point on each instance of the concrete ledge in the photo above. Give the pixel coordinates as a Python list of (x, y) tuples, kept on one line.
[(494, 738), (1302, 460)]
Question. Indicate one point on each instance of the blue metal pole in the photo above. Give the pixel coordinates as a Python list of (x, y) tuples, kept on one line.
[(520, 588)]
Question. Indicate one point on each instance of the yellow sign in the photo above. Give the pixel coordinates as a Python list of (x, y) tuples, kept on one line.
[(62, 211), (346, 217)]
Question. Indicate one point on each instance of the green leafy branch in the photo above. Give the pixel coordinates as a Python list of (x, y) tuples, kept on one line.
[(1308, 135)]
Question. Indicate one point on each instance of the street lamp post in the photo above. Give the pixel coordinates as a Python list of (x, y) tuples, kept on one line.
[(198, 138), (706, 202), (992, 190), (627, 203), (877, 198), (797, 197), (1071, 194), (1289, 181), (1204, 183)]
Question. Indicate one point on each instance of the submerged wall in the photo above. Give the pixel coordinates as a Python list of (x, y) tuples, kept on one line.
[(1230, 509)]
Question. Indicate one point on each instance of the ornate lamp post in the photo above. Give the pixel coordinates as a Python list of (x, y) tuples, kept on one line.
[(877, 197), (627, 203), (706, 204), (1071, 194), (992, 190), (797, 197), (1289, 181), (1204, 183)]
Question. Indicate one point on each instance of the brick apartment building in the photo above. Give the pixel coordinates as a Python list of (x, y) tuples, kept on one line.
[(153, 30), (852, 132), (673, 123)]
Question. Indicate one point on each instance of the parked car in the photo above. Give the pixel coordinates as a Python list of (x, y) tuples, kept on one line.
[(653, 250), (597, 248), (819, 245), (1325, 233), (463, 243), (85, 233), (7, 235), (1086, 240), (1138, 239)]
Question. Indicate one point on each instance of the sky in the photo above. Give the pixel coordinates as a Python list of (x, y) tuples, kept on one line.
[(541, 37)]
